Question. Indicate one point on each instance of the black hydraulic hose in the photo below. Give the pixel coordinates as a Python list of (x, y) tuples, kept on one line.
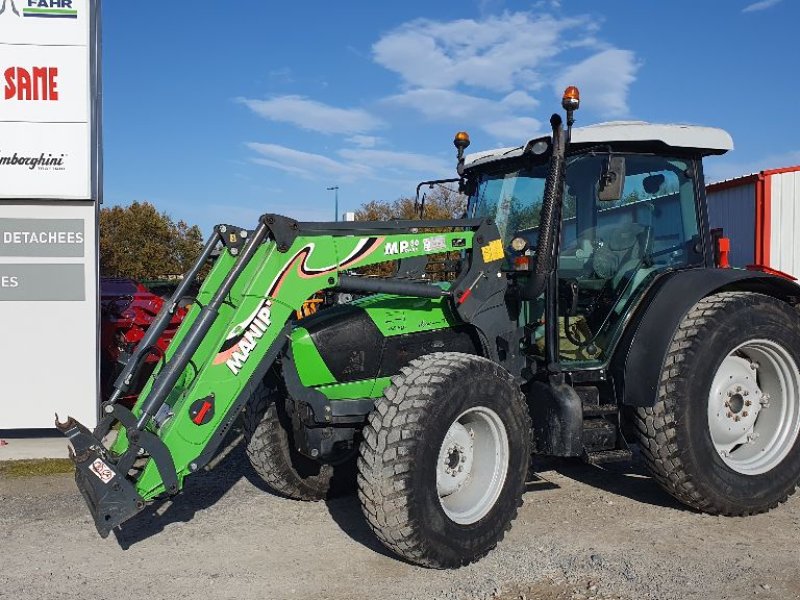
[(549, 221), (161, 322), (171, 372)]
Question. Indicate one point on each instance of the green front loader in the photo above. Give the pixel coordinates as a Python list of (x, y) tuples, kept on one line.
[(587, 312)]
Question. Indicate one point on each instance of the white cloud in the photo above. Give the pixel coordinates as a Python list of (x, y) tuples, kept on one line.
[(314, 116), (519, 99), (762, 5), (378, 160), (466, 111), (604, 80), (517, 130), (497, 53), (354, 163), (440, 104), (306, 164), (486, 72), (364, 141)]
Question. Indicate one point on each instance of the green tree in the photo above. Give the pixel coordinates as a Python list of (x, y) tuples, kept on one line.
[(441, 202), (140, 242)]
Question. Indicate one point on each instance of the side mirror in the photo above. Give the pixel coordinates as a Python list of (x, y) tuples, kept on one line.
[(612, 179)]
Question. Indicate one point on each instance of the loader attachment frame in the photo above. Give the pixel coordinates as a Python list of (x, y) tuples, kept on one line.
[(238, 328)]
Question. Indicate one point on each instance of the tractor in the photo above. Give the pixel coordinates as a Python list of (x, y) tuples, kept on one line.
[(591, 310)]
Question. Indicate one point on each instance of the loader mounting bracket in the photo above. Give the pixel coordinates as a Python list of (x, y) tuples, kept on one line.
[(282, 229)]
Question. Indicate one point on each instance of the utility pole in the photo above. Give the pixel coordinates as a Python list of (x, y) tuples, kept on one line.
[(335, 190)]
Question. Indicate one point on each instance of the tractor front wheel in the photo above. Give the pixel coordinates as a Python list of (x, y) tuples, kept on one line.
[(271, 449), (724, 435), (444, 459)]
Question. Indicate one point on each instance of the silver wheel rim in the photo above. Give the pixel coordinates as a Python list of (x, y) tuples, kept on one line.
[(754, 407), (472, 465)]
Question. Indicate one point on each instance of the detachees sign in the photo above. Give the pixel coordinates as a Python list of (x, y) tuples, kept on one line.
[(42, 282), (42, 237)]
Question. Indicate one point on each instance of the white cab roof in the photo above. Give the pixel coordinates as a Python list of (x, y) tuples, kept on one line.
[(710, 140)]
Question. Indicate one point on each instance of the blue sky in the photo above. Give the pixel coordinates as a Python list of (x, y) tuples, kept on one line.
[(232, 109)]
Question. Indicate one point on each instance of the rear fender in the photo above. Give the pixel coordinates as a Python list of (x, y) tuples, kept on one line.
[(639, 359)]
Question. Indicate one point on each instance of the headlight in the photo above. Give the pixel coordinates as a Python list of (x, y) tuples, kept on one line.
[(519, 244)]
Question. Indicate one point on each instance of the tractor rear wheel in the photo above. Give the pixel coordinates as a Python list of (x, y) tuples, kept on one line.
[(444, 459), (723, 436), (271, 449)]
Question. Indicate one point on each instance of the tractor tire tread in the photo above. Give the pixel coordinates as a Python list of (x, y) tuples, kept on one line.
[(656, 426), (391, 433), (269, 453)]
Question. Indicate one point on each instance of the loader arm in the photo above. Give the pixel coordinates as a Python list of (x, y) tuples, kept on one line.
[(239, 325)]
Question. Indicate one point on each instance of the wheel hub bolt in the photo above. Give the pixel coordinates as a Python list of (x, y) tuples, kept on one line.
[(754, 365), (730, 415), (747, 403), (745, 413), (737, 418)]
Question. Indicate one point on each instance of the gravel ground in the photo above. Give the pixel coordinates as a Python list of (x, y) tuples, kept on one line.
[(583, 532)]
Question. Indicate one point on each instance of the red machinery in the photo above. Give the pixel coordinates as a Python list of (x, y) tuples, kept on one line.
[(127, 309)]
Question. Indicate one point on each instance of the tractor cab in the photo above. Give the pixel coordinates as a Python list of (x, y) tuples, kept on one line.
[(633, 208)]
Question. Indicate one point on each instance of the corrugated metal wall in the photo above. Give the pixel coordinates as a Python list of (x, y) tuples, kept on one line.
[(785, 222), (734, 210)]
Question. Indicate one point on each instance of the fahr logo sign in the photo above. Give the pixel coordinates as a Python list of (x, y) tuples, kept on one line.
[(36, 83), (41, 9)]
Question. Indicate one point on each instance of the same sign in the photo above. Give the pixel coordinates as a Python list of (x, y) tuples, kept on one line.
[(48, 144)]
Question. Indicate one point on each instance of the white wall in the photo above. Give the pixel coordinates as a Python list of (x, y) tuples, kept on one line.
[(49, 184), (785, 222), (48, 349)]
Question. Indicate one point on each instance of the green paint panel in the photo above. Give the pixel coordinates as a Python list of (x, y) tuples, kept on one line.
[(312, 369), (398, 315), (353, 390)]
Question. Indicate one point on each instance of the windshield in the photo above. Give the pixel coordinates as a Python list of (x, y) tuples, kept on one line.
[(513, 199)]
